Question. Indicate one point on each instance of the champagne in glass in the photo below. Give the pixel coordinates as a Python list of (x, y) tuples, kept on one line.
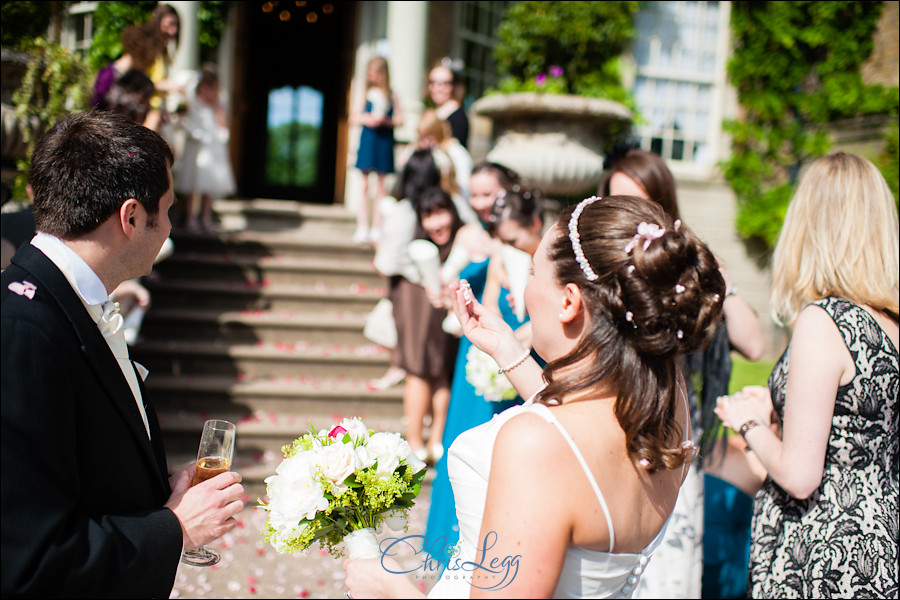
[(213, 457)]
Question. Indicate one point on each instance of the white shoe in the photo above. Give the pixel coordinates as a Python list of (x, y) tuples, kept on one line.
[(436, 452), (360, 236), (421, 453), (393, 377)]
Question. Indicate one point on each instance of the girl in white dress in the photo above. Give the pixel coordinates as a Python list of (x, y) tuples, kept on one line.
[(569, 494), (205, 167)]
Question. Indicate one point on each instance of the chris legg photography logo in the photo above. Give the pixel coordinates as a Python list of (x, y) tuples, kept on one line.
[(440, 560)]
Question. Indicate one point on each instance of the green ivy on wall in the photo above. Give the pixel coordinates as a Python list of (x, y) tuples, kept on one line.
[(796, 68), (56, 82)]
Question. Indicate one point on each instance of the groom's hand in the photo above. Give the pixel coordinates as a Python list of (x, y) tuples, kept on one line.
[(207, 510)]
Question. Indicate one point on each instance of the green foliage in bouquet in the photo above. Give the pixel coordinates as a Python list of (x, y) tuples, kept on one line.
[(565, 48), (796, 67), (307, 503)]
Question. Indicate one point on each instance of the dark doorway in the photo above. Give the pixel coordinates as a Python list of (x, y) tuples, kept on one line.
[(293, 97)]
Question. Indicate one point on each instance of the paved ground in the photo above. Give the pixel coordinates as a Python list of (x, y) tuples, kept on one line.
[(251, 568)]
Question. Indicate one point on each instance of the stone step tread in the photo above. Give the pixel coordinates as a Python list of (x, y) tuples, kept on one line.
[(352, 264), (283, 351), (288, 239), (265, 289), (304, 386), (338, 320), (268, 424), (309, 210)]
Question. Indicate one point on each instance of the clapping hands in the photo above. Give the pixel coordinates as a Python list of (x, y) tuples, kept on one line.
[(752, 402)]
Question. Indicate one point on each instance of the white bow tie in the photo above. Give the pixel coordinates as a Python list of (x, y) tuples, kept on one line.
[(111, 325)]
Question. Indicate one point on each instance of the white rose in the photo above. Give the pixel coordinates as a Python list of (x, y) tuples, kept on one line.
[(413, 461), (388, 450), (364, 457), (338, 461), (293, 493), (358, 431)]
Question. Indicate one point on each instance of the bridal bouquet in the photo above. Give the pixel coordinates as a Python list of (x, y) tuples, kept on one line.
[(339, 486), (483, 373)]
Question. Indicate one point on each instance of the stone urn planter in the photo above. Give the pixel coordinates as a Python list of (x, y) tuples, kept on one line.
[(555, 141)]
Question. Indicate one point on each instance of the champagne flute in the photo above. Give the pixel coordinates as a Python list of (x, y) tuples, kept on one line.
[(213, 457)]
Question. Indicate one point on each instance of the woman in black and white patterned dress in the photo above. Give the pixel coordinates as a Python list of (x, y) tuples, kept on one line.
[(826, 520)]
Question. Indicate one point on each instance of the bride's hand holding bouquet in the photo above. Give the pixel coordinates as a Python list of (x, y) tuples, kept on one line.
[(340, 485)]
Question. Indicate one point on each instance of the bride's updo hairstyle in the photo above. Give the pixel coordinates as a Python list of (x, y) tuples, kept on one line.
[(652, 291)]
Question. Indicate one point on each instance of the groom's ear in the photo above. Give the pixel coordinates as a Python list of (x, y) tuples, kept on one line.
[(128, 216)]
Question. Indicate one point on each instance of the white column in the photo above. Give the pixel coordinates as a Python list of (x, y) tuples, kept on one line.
[(187, 58), (400, 35), (407, 30)]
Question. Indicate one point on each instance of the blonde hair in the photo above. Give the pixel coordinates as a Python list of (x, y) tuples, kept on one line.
[(384, 75), (432, 125), (839, 238)]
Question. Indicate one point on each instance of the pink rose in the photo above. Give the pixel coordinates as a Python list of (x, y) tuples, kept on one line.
[(540, 80), (338, 431)]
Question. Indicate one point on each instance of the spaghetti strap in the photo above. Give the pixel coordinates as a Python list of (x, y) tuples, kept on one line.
[(687, 425), (550, 417)]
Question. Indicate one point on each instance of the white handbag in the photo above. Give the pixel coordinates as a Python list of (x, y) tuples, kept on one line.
[(380, 327)]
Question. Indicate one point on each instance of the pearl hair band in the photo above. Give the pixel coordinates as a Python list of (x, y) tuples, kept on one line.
[(575, 239)]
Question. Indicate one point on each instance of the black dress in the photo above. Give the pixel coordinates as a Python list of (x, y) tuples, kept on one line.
[(842, 540)]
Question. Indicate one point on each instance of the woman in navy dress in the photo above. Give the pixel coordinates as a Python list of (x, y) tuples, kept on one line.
[(376, 145)]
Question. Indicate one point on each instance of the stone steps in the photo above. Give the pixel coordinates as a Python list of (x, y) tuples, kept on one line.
[(233, 295), (251, 326), (277, 359), (338, 271), (261, 324)]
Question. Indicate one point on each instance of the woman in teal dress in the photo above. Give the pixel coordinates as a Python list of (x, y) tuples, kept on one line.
[(515, 218)]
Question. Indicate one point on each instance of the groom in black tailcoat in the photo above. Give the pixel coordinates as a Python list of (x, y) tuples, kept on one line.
[(88, 509)]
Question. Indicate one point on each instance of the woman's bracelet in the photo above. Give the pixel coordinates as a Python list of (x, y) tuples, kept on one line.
[(748, 425), (521, 359)]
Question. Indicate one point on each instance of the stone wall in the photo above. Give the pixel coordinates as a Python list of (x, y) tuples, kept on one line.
[(709, 208), (883, 66)]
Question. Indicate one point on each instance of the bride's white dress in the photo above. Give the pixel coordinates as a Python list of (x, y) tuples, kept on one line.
[(585, 574)]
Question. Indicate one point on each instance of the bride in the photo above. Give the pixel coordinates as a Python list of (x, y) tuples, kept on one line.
[(569, 494)]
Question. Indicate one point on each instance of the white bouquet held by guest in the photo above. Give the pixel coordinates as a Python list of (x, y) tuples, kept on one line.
[(484, 374), (339, 486)]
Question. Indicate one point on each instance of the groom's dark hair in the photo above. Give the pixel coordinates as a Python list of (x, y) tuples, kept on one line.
[(88, 164)]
